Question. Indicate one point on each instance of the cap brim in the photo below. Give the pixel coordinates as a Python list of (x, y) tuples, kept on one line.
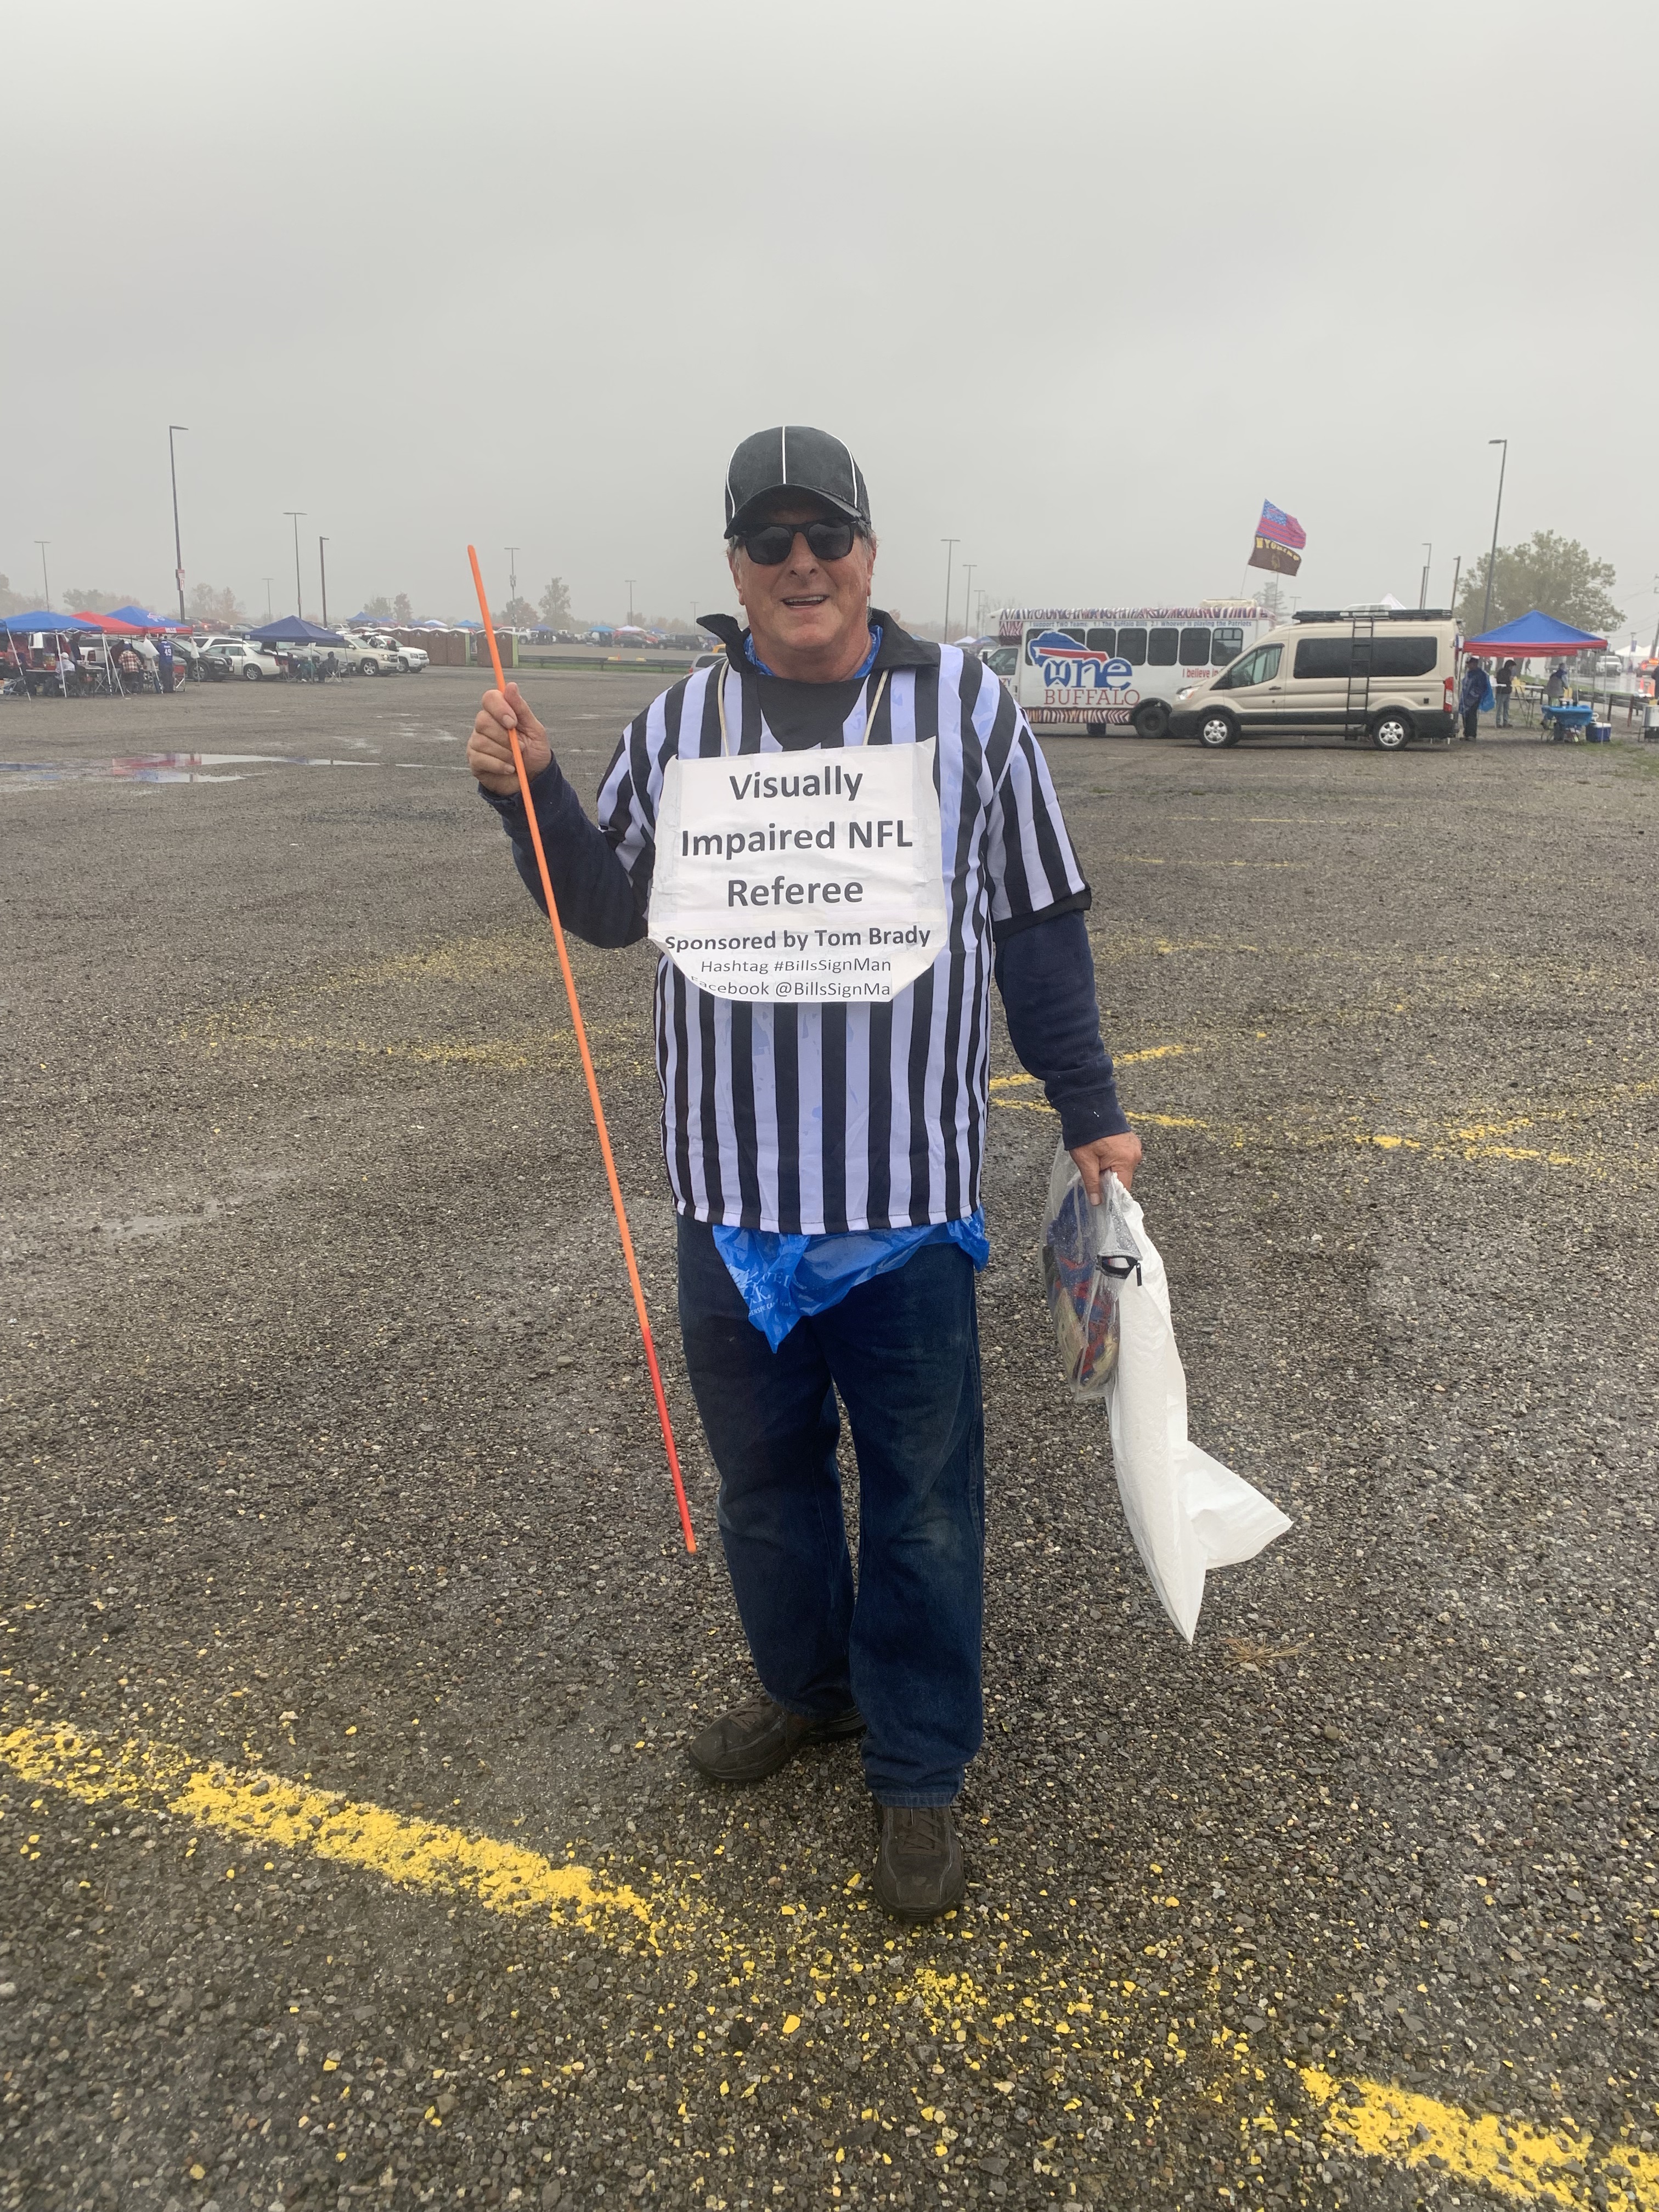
[(752, 512)]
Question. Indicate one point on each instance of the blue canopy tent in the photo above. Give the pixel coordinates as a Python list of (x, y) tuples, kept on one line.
[(1538, 636), (40, 621), (291, 630), (1533, 637), (137, 617), (44, 619)]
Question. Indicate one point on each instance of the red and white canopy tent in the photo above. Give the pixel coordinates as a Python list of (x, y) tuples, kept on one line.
[(109, 626)]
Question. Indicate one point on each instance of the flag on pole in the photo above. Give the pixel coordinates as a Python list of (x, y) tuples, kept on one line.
[(1279, 539)]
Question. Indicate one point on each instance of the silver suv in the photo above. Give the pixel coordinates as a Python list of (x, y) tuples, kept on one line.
[(366, 657)]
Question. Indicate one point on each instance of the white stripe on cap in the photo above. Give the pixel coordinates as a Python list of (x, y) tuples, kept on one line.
[(852, 471)]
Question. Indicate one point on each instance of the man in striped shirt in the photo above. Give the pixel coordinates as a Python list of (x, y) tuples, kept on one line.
[(824, 1159)]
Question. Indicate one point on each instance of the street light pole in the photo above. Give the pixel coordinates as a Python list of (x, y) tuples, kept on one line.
[(513, 552), (322, 571), (1491, 559), (267, 582), (1422, 589), (178, 548), (631, 582), (949, 545), (297, 513), (968, 569), (46, 581)]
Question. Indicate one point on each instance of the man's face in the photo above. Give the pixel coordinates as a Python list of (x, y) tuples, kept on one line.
[(803, 605)]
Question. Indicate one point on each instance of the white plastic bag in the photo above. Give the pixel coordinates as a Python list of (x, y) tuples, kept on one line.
[(1185, 1512)]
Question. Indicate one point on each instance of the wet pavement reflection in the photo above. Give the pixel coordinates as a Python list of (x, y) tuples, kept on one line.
[(161, 768)]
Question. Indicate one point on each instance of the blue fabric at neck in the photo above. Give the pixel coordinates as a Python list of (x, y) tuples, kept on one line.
[(857, 676)]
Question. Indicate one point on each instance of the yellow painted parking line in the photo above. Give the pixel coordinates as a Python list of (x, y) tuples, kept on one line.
[(549, 1052), (1526, 2164), (1454, 1140), (277, 1815), (1001, 1084), (1187, 860), (1020, 2021)]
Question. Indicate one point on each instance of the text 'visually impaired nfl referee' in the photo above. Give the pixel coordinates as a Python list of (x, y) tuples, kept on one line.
[(816, 877)]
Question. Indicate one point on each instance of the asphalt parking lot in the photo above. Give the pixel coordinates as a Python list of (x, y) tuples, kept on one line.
[(348, 1850)]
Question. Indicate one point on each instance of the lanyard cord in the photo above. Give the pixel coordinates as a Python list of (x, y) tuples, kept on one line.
[(869, 711)]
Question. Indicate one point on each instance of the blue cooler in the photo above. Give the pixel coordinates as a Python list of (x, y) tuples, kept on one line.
[(1599, 733)]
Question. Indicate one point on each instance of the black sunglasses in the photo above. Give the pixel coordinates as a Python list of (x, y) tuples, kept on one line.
[(770, 546)]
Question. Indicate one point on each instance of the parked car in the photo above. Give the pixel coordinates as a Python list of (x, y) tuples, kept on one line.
[(233, 656), (1389, 674), (368, 657)]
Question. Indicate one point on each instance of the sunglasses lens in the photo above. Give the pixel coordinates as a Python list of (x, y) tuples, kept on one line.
[(771, 546), (829, 541)]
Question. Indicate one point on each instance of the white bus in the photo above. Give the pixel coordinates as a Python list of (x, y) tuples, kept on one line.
[(1090, 668)]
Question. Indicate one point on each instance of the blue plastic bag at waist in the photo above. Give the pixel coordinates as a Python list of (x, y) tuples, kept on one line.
[(783, 1279)]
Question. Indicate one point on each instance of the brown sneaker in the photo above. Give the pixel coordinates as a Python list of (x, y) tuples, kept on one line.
[(919, 1868), (755, 1740)]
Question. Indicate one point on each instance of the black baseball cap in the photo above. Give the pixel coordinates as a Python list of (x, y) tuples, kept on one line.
[(794, 458)]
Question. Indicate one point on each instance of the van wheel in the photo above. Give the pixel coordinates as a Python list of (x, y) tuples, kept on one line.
[(251, 674), (1391, 729), (365, 668), (1218, 729), (1151, 719)]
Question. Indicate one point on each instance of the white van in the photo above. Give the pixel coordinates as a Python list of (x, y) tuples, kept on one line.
[(1091, 668), (1388, 674)]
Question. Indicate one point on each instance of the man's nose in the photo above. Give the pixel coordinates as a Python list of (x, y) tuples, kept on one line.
[(802, 559)]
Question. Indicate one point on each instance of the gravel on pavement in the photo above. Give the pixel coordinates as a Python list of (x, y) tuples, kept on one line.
[(348, 1850)]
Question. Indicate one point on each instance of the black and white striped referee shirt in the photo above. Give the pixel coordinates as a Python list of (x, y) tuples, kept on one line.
[(815, 1119)]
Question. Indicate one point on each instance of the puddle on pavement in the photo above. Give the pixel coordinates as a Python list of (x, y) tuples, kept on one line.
[(419, 734), (157, 767)]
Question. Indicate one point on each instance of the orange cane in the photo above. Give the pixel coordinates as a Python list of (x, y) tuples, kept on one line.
[(592, 1080)]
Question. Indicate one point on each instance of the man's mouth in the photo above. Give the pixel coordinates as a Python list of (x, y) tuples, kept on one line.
[(807, 599)]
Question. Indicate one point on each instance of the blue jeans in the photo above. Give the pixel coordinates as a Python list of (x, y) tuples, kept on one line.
[(903, 1350)]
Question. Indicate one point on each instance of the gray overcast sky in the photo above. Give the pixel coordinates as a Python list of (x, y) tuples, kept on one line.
[(1081, 284)]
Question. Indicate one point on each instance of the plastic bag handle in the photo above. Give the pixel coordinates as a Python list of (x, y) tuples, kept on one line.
[(1120, 1266)]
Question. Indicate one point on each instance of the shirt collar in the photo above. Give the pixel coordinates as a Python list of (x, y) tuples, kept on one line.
[(895, 647), (857, 676)]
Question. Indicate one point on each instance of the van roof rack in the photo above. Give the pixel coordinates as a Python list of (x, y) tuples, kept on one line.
[(1372, 614)]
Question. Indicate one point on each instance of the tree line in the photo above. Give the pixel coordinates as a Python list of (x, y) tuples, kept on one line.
[(1556, 576)]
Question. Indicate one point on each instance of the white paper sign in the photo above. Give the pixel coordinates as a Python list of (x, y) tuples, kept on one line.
[(810, 876)]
